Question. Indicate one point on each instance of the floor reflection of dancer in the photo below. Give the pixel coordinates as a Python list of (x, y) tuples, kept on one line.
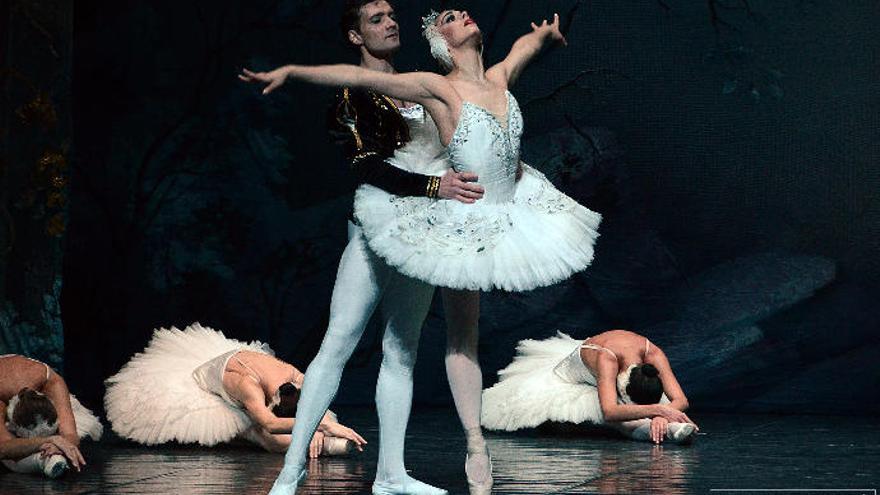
[(43, 421), (616, 378), (374, 127), (522, 235), (197, 386)]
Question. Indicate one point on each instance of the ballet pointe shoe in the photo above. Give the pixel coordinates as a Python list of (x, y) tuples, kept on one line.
[(336, 446), (407, 486), (479, 485), (55, 465), (287, 487), (681, 433)]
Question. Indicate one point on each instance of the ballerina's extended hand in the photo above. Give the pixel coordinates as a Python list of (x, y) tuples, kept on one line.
[(273, 79), (551, 29)]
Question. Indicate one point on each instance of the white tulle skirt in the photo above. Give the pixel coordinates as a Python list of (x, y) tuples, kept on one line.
[(540, 238), (87, 424), (154, 398), (529, 393)]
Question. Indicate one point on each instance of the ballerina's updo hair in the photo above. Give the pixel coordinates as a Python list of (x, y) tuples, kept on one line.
[(288, 400), (438, 44), (640, 384), (31, 414)]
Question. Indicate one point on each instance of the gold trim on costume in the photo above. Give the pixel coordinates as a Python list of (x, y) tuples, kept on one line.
[(433, 187), (352, 126), (361, 156)]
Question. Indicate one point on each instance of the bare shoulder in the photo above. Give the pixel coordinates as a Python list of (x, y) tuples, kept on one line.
[(497, 75)]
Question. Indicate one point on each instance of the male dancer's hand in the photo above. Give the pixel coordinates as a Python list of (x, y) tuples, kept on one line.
[(460, 186)]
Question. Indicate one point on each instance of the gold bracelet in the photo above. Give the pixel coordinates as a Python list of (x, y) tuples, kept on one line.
[(433, 187)]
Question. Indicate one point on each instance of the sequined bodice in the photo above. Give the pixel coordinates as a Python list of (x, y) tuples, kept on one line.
[(424, 153), (573, 370), (485, 146)]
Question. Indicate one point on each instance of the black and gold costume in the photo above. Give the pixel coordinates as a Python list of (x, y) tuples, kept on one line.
[(370, 128)]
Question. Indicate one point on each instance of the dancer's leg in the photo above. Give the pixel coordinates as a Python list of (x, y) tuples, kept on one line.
[(466, 380), (637, 429), (52, 466), (406, 302), (359, 285), (640, 429)]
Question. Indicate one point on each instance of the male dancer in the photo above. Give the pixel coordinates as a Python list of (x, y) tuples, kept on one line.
[(373, 129)]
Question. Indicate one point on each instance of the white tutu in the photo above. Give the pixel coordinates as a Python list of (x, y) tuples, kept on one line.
[(154, 398), (87, 424), (539, 238), (529, 393)]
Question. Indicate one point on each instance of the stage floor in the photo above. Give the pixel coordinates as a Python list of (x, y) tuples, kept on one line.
[(732, 453)]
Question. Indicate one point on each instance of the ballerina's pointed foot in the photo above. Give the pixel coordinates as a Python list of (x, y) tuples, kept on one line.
[(287, 484), (681, 433), (407, 486), (478, 469)]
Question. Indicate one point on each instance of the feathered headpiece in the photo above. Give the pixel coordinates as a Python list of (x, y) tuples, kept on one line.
[(623, 382), (439, 46), (40, 428)]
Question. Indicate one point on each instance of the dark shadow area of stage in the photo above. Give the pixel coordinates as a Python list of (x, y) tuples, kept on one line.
[(732, 452)]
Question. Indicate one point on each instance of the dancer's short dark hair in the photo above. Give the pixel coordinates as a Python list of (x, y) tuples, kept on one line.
[(33, 407), (289, 399), (351, 16), (644, 385)]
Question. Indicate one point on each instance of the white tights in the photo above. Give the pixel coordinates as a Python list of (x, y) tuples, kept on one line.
[(463, 370), (31, 464), (362, 280)]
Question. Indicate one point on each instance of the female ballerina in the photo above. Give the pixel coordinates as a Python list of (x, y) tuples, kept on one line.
[(616, 379), (197, 386), (43, 423), (523, 234)]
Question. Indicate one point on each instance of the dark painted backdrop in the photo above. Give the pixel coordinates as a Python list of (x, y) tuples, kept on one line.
[(732, 147)]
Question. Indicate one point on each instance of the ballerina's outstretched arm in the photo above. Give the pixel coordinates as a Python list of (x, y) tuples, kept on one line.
[(671, 387), (430, 90), (614, 412), (525, 49)]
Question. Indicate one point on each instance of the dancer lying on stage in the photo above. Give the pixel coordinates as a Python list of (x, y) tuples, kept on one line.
[(43, 422), (197, 386), (522, 235), (616, 378)]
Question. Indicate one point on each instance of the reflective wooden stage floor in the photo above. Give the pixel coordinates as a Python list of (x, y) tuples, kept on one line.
[(732, 453)]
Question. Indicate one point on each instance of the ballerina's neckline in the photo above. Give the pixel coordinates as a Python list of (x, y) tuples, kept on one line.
[(503, 123), (505, 126)]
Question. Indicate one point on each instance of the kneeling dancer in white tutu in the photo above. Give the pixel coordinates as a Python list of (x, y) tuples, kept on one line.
[(616, 378), (43, 423), (521, 235), (198, 386)]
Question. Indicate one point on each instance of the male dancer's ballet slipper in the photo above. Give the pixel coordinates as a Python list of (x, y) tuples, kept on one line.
[(408, 486), (336, 446), (287, 487), (55, 465), (479, 486), (681, 433)]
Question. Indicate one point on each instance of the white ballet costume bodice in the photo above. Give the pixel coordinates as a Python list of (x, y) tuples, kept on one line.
[(483, 145), (519, 236), (424, 153), (573, 370), (209, 376)]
